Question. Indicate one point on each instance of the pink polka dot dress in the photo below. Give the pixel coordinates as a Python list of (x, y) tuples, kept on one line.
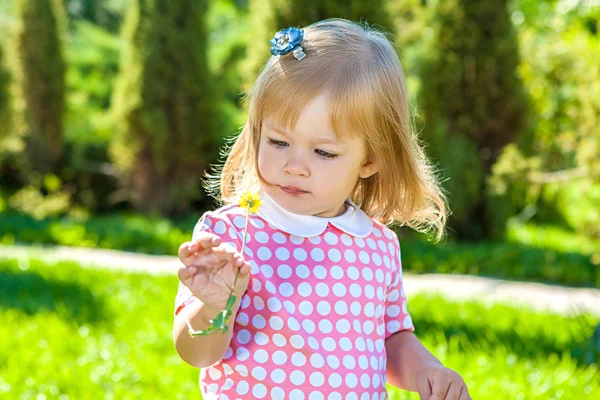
[(324, 295)]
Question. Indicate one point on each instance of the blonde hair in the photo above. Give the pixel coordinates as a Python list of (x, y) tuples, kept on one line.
[(359, 69)]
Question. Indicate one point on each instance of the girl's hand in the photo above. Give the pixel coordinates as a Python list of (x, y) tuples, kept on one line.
[(210, 268), (436, 382)]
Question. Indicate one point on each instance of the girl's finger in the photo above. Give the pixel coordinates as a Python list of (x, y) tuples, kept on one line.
[(227, 253), (464, 394), (453, 392), (186, 273)]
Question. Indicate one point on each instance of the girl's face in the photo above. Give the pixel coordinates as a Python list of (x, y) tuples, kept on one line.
[(310, 171)]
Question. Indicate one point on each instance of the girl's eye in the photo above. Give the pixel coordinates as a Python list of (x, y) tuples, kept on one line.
[(325, 154), (277, 143)]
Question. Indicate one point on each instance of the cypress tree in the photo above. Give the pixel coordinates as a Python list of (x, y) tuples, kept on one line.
[(41, 77), (269, 16), (473, 103), (165, 104), (5, 98)]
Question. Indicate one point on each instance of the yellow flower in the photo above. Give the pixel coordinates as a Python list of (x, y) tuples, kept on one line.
[(251, 202)]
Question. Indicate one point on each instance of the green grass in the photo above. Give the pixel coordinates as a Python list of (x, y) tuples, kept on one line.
[(538, 253), (69, 332)]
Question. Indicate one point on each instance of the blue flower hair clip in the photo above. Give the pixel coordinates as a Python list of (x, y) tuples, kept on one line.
[(287, 40)]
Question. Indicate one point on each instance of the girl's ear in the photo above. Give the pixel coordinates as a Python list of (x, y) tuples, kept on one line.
[(368, 169)]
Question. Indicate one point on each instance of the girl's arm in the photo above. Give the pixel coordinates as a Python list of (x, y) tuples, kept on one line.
[(201, 351), (405, 356)]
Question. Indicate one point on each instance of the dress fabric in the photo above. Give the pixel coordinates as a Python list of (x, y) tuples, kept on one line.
[(313, 321)]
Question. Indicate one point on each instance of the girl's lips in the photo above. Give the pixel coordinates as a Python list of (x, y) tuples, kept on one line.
[(293, 190)]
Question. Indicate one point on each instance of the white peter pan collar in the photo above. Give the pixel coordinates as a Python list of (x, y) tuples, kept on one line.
[(353, 221)]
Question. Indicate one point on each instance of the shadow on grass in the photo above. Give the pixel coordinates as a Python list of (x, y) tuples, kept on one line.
[(32, 293)]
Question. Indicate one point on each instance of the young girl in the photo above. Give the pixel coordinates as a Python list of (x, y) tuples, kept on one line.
[(320, 310)]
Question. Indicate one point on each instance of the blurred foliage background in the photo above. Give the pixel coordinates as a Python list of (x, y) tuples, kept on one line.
[(111, 111)]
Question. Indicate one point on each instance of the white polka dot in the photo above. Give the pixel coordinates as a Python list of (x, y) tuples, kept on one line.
[(274, 304), (220, 228), (242, 354), (392, 311), (282, 253), (207, 222), (355, 308), (316, 360), (297, 377), (365, 381), (377, 232), (359, 242), (296, 394), (380, 294), (242, 387), (334, 255), (214, 373), (355, 290), (333, 361), (342, 326), (304, 289), (350, 256), (243, 336), (317, 379), (341, 308), (351, 380), (277, 393), (339, 290), (259, 391), (242, 370), (278, 375), (256, 286), (334, 396), (305, 308), (368, 327), (331, 238), (320, 272), (380, 329), (325, 326), (261, 237), (257, 222), (261, 356), (379, 345), (315, 239), (213, 388), (363, 361), (297, 240), (289, 306), (371, 244), (376, 259), (286, 289), (279, 357), (376, 380), (316, 396), (298, 359), (328, 344), (297, 341), (317, 255), (353, 273), (367, 273), (270, 287), (308, 326), (300, 254), (259, 321), (371, 348), (276, 323), (228, 353), (407, 322), (313, 343), (226, 368), (323, 308), (264, 253), (322, 289), (388, 279), (363, 256), (259, 303), (254, 267), (357, 325), (345, 343), (242, 318), (349, 362), (335, 380), (279, 238), (347, 240), (336, 272), (293, 324), (379, 276), (284, 271), (302, 271), (369, 310), (279, 340), (266, 270), (382, 246), (259, 373)]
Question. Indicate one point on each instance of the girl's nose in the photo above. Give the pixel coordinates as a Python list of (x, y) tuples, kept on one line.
[(297, 166)]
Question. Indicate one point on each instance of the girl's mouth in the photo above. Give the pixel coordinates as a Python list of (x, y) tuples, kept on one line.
[(293, 190)]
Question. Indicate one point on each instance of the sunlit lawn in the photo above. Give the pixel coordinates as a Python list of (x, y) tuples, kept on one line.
[(68, 332)]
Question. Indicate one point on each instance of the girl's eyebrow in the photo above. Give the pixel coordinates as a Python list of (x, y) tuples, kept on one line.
[(318, 140)]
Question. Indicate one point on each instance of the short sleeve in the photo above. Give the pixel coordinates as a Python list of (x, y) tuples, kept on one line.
[(396, 315), (216, 224)]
